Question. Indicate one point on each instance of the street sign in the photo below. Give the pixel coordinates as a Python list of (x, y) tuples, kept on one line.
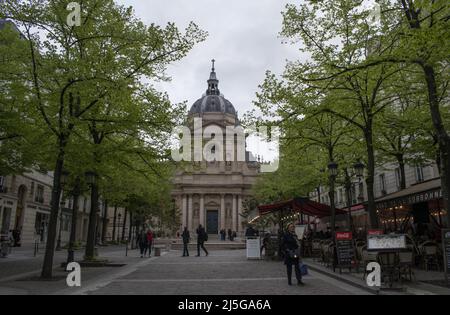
[(446, 251), (386, 242), (344, 249)]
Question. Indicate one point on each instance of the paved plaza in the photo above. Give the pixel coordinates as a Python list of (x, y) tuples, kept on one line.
[(223, 272)]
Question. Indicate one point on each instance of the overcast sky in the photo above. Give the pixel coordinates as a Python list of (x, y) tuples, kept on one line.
[(243, 39)]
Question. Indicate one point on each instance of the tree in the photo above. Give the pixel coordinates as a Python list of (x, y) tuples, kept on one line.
[(73, 70), (412, 35)]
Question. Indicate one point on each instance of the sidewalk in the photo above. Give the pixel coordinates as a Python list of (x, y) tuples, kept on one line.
[(418, 287), (20, 271)]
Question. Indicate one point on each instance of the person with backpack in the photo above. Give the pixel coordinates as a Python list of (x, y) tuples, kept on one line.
[(186, 239), (202, 237)]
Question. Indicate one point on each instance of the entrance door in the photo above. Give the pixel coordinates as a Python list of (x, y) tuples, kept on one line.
[(212, 222)]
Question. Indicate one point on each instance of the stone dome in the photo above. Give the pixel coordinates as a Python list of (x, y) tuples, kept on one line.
[(212, 101)]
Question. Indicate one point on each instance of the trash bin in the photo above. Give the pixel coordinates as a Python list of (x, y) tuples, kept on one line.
[(157, 251)]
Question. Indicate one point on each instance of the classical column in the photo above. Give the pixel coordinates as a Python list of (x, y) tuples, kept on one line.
[(190, 212), (222, 211), (234, 214), (239, 213), (202, 210), (184, 210)]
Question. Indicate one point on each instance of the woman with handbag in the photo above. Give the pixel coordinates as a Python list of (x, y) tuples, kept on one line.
[(292, 254)]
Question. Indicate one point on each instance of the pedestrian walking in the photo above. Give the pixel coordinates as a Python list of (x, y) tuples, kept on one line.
[(265, 243), (143, 243), (202, 237), (186, 239), (149, 243), (292, 257), (230, 235)]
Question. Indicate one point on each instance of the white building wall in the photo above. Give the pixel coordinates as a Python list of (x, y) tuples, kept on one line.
[(430, 171)]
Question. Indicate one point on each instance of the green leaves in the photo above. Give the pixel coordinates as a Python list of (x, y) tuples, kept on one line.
[(83, 90)]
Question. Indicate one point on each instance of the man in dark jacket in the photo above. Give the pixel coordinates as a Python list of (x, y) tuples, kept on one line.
[(250, 231), (201, 238), (143, 242), (186, 239), (292, 254)]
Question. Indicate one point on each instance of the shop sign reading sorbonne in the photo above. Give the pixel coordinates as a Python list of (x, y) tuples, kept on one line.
[(412, 199)]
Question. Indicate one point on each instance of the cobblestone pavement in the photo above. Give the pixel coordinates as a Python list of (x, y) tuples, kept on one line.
[(221, 273)]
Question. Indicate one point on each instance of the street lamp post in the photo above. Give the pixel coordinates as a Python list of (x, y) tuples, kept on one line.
[(118, 226), (333, 171), (63, 180), (91, 178), (358, 169), (58, 243), (73, 230)]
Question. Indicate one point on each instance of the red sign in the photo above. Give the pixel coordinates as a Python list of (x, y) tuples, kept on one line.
[(344, 236), (375, 232)]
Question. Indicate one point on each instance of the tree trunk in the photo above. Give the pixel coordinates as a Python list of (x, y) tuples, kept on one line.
[(114, 223), (105, 222), (130, 227), (47, 268), (401, 165), (318, 194), (73, 229), (442, 136), (373, 218), (124, 224), (90, 244)]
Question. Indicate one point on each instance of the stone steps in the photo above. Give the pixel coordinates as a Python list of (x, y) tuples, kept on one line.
[(217, 245)]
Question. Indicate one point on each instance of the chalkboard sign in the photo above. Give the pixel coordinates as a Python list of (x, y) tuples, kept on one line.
[(386, 242), (446, 251), (344, 249)]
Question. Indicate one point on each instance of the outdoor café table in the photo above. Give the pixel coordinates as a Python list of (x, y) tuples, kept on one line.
[(389, 261)]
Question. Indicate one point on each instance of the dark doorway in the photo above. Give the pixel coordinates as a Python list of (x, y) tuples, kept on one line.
[(421, 217), (212, 222), (420, 213)]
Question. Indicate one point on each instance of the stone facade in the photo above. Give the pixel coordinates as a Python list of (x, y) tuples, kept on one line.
[(387, 181), (211, 192), (25, 206)]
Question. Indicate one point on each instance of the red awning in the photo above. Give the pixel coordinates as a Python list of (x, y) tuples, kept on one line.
[(358, 207), (300, 205)]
